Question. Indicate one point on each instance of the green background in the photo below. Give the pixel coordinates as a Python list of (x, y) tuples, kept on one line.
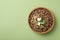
[(14, 19)]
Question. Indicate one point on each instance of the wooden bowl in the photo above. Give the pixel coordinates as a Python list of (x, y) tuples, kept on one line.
[(44, 14)]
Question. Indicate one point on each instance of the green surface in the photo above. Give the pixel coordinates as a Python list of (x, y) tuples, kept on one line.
[(14, 17)]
